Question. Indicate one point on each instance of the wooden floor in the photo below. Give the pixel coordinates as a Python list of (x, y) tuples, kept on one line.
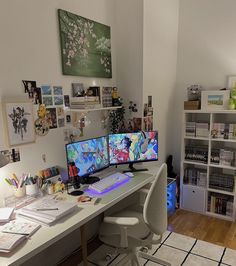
[(213, 230)]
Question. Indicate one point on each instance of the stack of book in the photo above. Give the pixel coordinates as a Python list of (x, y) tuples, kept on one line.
[(202, 130), (190, 129), (47, 210), (221, 204), (107, 96), (90, 100)]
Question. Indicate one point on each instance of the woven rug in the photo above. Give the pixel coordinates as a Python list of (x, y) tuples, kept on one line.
[(176, 249)]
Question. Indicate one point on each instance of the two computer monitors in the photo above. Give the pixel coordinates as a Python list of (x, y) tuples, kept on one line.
[(90, 156)]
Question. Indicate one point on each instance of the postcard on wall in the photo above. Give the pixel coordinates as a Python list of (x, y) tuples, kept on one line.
[(12, 155), (30, 86), (67, 100), (20, 122), (58, 100), (51, 117), (47, 100), (78, 90), (46, 90), (57, 90)]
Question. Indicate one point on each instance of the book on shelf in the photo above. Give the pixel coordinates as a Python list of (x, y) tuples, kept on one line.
[(107, 96), (9, 241), (87, 200), (190, 129), (221, 204), (222, 182), (6, 214), (202, 130), (20, 227), (47, 210)]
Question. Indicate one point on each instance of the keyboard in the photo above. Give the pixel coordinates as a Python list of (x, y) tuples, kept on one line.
[(109, 182)]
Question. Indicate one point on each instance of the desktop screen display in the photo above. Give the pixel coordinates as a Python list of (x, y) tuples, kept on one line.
[(133, 147), (89, 156)]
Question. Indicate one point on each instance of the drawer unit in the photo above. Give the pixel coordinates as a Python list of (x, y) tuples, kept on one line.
[(171, 195), (194, 198)]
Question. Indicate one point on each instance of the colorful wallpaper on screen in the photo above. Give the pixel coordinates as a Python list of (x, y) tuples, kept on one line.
[(132, 147)]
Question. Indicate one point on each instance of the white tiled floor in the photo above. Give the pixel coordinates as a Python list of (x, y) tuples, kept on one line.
[(176, 249)]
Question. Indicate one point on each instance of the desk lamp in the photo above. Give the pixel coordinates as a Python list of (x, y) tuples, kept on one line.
[(3, 160)]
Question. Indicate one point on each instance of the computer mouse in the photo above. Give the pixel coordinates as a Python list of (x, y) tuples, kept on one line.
[(130, 174)]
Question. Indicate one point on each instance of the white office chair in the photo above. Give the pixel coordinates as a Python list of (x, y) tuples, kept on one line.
[(129, 229)]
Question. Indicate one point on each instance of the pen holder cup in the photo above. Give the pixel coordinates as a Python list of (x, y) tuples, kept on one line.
[(19, 192), (32, 190)]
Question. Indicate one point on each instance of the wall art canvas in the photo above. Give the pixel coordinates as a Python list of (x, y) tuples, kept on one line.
[(85, 46), (20, 122)]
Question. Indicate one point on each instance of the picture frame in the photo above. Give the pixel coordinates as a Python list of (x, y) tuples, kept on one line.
[(231, 82), (215, 100), (19, 119), (85, 46)]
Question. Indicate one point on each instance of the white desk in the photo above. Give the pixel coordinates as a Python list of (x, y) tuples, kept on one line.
[(46, 236)]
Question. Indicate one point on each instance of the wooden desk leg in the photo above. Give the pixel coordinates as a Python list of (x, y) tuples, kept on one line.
[(84, 244)]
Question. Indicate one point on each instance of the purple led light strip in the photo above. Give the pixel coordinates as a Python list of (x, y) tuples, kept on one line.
[(95, 193)]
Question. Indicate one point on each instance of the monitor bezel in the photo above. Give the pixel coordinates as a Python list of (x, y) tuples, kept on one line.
[(91, 173), (140, 161)]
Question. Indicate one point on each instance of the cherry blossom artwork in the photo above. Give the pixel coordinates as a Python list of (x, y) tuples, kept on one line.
[(85, 46)]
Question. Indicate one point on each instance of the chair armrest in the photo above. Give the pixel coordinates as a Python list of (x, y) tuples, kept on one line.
[(123, 221)]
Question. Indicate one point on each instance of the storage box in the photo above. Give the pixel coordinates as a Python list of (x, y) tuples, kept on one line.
[(191, 105)]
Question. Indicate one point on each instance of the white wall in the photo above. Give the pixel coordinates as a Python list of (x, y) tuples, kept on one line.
[(30, 49), (129, 43), (206, 51), (159, 65)]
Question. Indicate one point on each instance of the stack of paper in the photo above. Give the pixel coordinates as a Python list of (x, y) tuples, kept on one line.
[(5, 214), (47, 210)]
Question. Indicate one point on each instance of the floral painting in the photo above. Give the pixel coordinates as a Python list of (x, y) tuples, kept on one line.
[(85, 46)]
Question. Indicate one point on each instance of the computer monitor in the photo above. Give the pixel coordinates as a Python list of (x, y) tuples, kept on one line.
[(130, 148), (87, 157)]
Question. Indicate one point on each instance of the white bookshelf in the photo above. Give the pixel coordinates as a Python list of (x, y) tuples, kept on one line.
[(207, 200)]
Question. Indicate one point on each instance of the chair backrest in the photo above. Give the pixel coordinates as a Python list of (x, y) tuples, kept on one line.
[(155, 205)]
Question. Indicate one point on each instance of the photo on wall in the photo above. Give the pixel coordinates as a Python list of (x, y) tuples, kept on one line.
[(51, 117), (30, 86), (12, 155), (85, 46)]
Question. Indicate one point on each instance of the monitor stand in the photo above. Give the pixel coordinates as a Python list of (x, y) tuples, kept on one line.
[(90, 180), (132, 169)]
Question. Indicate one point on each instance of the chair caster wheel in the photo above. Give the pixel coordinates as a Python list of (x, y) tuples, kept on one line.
[(144, 249), (108, 257)]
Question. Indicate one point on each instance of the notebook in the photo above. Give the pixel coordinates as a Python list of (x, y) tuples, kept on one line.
[(5, 214), (9, 241), (48, 210), (20, 227)]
